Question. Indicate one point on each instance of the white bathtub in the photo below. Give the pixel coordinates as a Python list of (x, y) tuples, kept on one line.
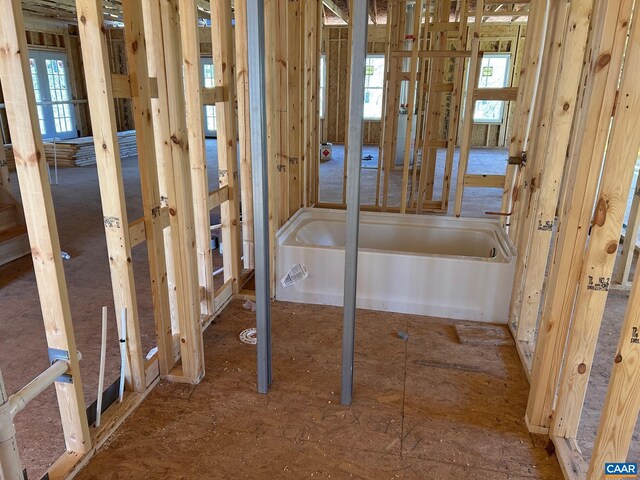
[(426, 265)]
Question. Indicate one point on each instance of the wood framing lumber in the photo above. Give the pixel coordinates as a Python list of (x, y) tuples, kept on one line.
[(294, 117), (141, 101), (527, 90), (488, 181), (273, 71), (630, 237), (392, 91), (218, 197), (162, 130), (4, 171), (423, 92), (346, 111), (433, 53), (507, 94), (336, 10), (615, 181), (211, 96), (413, 68), (622, 403), (469, 107), (197, 152), (244, 134), (177, 170), (439, 65), (554, 44), (137, 232), (40, 219), (70, 463), (456, 102), (109, 166), (570, 458), (120, 85), (537, 227), (223, 60)]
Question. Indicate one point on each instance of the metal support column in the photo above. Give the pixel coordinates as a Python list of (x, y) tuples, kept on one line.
[(358, 16), (257, 106)]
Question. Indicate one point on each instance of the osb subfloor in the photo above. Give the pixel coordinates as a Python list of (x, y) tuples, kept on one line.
[(77, 203), (476, 200), (427, 407), (23, 347)]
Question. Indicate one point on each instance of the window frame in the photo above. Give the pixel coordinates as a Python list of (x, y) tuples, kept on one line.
[(506, 84), (322, 86), (381, 88)]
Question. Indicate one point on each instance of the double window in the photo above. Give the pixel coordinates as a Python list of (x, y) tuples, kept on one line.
[(373, 87)]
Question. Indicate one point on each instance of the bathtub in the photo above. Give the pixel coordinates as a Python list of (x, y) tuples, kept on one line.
[(459, 268)]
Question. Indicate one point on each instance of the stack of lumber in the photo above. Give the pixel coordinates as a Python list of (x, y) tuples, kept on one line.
[(78, 152)]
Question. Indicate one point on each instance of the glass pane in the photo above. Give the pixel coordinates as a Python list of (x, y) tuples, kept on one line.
[(374, 83), (210, 117), (374, 72), (494, 73), (323, 81), (207, 74), (57, 77), (36, 88)]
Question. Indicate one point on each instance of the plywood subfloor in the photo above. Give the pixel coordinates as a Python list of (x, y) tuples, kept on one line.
[(427, 407)]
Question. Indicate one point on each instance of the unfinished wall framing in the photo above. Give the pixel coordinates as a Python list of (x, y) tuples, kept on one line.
[(582, 200), (171, 167), (570, 122)]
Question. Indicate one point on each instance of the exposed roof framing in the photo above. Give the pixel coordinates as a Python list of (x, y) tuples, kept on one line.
[(336, 10), (65, 10)]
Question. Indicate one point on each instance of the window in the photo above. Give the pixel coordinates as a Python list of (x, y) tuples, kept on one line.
[(494, 73), (56, 75), (209, 110), (52, 91), (373, 87), (323, 84), (36, 88)]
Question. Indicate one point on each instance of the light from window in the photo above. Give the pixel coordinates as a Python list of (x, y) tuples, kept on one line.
[(59, 91), (373, 87), (209, 110), (494, 73), (323, 82), (36, 88)]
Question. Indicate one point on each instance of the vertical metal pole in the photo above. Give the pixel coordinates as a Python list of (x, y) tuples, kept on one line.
[(359, 17), (257, 106)]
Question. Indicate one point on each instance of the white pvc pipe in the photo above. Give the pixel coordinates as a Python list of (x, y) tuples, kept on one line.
[(10, 465), (103, 359), (123, 351), (19, 400)]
